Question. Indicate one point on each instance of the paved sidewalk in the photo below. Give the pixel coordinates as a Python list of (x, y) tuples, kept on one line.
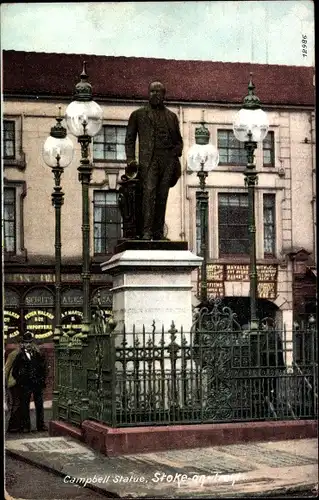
[(252, 469), (47, 405)]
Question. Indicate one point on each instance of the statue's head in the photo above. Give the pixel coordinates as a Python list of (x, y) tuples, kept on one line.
[(156, 94)]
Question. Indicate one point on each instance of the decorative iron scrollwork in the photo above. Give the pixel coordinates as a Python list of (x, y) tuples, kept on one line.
[(216, 333), (216, 372), (215, 317)]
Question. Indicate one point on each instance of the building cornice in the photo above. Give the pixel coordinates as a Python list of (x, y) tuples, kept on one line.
[(140, 102)]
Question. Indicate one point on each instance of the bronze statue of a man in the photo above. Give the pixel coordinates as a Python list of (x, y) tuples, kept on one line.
[(160, 146)]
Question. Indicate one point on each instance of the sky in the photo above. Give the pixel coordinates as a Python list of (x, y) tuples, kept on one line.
[(265, 32)]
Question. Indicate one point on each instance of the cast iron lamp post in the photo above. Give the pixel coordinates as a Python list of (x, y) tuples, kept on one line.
[(57, 154), (251, 126), (84, 120), (202, 158)]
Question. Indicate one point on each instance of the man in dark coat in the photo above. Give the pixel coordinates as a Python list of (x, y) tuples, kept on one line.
[(160, 146), (29, 370), (13, 394)]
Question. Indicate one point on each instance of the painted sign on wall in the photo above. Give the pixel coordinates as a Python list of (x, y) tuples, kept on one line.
[(217, 274)]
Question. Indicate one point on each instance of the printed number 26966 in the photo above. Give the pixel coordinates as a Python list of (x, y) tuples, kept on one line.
[(304, 45)]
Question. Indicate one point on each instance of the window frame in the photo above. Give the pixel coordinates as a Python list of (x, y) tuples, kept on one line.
[(223, 255), (104, 143), (18, 160), (12, 140), (107, 249), (214, 254), (20, 253), (241, 147), (271, 149), (269, 255), (13, 204)]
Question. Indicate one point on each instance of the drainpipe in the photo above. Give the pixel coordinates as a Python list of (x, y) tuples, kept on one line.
[(182, 187), (313, 200), (21, 133), (22, 153)]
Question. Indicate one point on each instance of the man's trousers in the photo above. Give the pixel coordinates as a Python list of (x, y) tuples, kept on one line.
[(156, 184), (26, 394)]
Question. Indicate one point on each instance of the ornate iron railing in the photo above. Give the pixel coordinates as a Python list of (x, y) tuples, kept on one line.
[(217, 372)]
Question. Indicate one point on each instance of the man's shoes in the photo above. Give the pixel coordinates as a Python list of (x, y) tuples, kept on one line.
[(26, 430), (158, 236), (147, 236), (43, 428)]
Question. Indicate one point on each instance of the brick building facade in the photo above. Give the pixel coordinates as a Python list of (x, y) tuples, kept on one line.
[(35, 84)]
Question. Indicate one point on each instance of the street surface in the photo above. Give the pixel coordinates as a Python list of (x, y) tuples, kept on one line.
[(28, 482), (302, 494), (25, 481), (262, 467)]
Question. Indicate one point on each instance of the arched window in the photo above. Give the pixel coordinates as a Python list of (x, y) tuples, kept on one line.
[(72, 310), (104, 296), (39, 312), (12, 315)]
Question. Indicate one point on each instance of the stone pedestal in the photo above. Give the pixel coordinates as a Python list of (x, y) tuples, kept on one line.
[(152, 283)]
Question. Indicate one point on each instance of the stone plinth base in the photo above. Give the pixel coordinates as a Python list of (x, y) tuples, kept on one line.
[(152, 283), (132, 440)]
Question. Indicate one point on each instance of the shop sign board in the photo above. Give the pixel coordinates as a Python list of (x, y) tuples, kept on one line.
[(217, 274), (40, 323), (11, 324), (71, 320)]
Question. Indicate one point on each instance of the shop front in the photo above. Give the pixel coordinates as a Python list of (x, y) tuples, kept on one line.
[(230, 283), (32, 308)]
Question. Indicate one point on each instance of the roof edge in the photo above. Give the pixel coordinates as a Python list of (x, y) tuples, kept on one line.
[(173, 102), (228, 63)]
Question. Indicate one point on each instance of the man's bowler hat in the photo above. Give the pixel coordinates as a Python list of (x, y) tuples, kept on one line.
[(27, 337)]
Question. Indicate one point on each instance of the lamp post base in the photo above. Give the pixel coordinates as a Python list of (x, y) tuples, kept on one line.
[(253, 325)]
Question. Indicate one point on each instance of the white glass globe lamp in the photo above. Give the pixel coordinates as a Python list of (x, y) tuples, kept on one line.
[(251, 122), (58, 148), (202, 156), (83, 115)]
